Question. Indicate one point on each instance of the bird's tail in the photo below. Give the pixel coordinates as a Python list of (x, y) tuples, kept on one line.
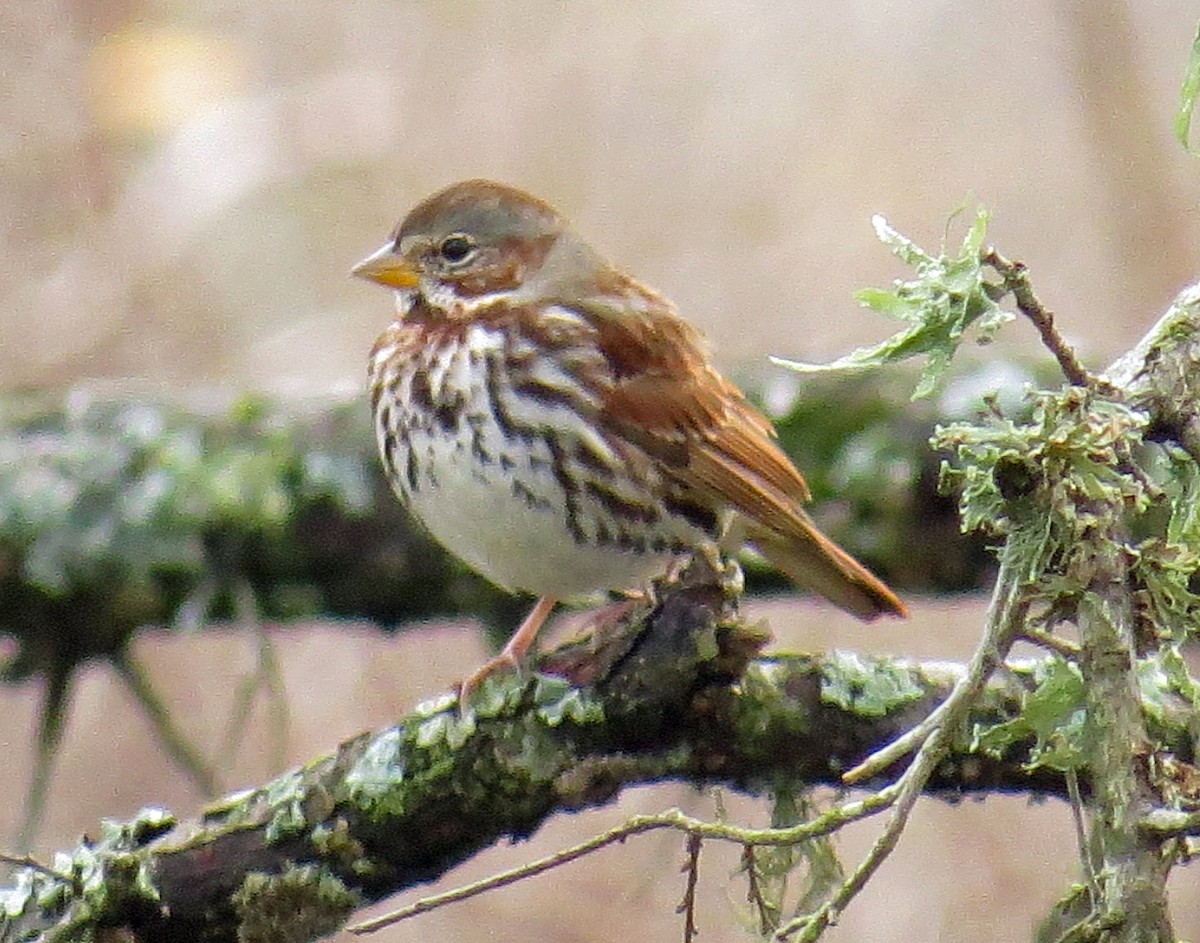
[(814, 562)]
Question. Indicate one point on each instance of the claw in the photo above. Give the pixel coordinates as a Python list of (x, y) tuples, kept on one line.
[(505, 661)]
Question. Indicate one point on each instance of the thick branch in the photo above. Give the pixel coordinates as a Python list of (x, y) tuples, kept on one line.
[(1161, 375), (392, 809), (1132, 864), (651, 702)]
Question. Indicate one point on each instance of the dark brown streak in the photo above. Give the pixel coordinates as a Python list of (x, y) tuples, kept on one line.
[(521, 490), (627, 541), (700, 517), (620, 507), (410, 469), (478, 452), (389, 452), (509, 427), (570, 487), (552, 396), (421, 392), (383, 415), (445, 412), (586, 455)]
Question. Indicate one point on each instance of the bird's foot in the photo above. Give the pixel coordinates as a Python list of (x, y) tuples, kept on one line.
[(505, 661), (513, 654), (726, 570)]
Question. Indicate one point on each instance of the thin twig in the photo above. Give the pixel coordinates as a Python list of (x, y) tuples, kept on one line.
[(1005, 619), (1054, 643), (1091, 928), (25, 861), (1081, 836), (511, 876), (1006, 616), (687, 906), (267, 676), (811, 926), (754, 893), (55, 699), (824, 824), (1016, 282), (173, 740)]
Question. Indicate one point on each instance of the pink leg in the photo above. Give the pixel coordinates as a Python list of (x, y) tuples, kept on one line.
[(514, 652)]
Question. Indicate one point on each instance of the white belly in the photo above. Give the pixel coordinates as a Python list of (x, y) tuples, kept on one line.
[(528, 494), (518, 544)]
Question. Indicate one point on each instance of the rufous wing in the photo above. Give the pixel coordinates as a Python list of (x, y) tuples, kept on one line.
[(719, 450)]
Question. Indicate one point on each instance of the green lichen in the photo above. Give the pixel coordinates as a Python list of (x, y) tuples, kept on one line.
[(127, 489), (378, 774), (147, 825), (500, 695), (102, 882), (765, 703), (335, 844), (111, 874), (286, 796), (432, 755), (793, 878), (948, 295), (447, 728), (1045, 485), (1170, 694), (1052, 717), (301, 904), (558, 701), (1177, 327), (228, 808), (869, 688), (1075, 448), (768, 708), (528, 754)]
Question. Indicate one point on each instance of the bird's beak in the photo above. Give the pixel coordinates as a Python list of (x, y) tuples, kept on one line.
[(387, 268)]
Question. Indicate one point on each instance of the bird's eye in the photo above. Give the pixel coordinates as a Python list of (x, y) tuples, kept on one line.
[(457, 248)]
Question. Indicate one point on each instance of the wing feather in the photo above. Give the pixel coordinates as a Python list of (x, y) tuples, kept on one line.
[(664, 396)]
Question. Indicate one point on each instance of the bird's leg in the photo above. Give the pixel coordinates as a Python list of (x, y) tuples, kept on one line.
[(513, 653)]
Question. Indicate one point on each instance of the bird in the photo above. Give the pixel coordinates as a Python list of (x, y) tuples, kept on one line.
[(558, 426)]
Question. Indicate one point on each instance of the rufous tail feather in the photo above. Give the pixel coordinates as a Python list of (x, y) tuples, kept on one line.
[(814, 562)]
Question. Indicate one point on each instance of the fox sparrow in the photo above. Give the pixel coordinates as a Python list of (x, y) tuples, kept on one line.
[(558, 426)]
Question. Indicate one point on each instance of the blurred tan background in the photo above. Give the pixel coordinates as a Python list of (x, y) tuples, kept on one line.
[(186, 186)]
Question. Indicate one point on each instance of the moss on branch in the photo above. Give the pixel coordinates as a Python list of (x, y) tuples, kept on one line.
[(676, 692)]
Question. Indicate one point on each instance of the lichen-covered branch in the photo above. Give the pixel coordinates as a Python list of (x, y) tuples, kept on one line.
[(1161, 374), (1133, 864), (676, 692), (1128, 766), (119, 511), (387, 810)]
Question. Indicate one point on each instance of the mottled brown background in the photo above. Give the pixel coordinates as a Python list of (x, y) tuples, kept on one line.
[(185, 186)]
